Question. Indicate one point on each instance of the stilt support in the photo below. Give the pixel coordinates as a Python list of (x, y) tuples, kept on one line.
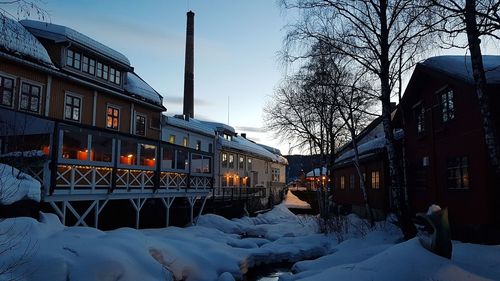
[(138, 204), (167, 202)]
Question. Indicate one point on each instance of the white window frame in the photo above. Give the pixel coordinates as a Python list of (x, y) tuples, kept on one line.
[(19, 92), (6, 75)]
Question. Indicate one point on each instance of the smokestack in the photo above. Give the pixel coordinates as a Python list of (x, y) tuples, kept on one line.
[(188, 109)]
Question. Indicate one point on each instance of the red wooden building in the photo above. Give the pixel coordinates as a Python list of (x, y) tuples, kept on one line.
[(447, 159)]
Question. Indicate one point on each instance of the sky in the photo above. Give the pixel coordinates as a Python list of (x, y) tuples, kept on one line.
[(236, 46)]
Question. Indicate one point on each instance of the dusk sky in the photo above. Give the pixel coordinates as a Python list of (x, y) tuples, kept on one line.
[(236, 45)]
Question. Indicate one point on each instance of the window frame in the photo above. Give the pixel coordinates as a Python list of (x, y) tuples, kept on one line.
[(171, 139), (419, 116), (375, 179), (73, 95), (461, 168), (144, 116), (4, 76), (447, 105), (114, 107), (20, 93)]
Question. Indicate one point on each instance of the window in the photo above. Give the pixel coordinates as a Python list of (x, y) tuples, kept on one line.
[(147, 155), (140, 125), (420, 118), (458, 173), (241, 163), (73, 59), (198, 145), (182, 160), (118, 78), (375, 180), (72, 108), (351, 181), (447, 106), (128, 152), (275, 175), (30, 98), (85, 64), (210, 147), (231, 161), (200, 163), (6, 91), (342, 182), (171, 139), (102, 148), (75, 145), (114, 76), (99, 70), (91, 67), (112, 117), (228, 137), (224, 160), (105, 71), (249, 164), (185, 142), (168, 158)]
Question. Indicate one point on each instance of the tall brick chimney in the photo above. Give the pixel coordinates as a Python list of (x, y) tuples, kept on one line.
[(188, 109)]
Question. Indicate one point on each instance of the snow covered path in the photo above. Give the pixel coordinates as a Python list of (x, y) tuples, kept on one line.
[(221, 249)]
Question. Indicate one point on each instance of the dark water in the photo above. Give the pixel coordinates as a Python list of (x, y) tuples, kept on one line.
[(268, 272)]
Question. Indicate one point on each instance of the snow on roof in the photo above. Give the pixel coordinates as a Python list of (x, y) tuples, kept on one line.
[(315, 172), (369, 146), (191, 124), (16, 186), (135, 85), (16, 39), (460, 67), (59, 32)]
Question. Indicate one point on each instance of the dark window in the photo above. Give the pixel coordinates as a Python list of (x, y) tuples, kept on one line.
[(114, 76), (447, 106), (118, 78), (168, 158), (420, 118), (72, 108), (105, 71), (91, 66), (112, 118), (182, 160), (99, 69), (30, 97), (75, 145), (6, 91), (140, 125), (210, 147), (73, 59), (458, 173), (102, 148), (200, 163), (351, 181), (85, 64)]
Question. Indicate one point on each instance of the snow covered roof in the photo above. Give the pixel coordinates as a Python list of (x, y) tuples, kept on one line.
[(241, 143), (369, 146), (191, 124), (16, 39), (460, 67), (136, 86), (315, 172), (61, 33)]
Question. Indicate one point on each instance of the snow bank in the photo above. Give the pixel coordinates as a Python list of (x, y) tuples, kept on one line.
[(16, 185), (292, 201)]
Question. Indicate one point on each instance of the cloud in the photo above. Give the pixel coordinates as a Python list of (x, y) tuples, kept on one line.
[(250, 129), (176, 100)]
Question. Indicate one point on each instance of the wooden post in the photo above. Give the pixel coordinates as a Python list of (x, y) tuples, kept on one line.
[(53, 158)]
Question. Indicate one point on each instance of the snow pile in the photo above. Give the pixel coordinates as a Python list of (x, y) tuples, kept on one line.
[(16, 185), (29, 153), (292, 201), (16, 39), (201, 252)]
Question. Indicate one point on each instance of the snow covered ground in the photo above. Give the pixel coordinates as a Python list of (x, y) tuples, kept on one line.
[(221, 249), (15, 186)]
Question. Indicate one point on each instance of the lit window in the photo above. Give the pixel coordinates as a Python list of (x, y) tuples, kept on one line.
[(171, 139), (6, 91), (198, 145), (375, 179), (147, 154), (75, 145), (140, 125), (249, 164), (447, 106), (224, 160), (231, 161), (458, 173), (342, 182), (275, 175), (30, 98), (72, 108), (128, 152), (112, 118), (185, 142)]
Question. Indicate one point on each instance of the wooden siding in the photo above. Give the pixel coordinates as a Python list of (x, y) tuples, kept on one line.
[(103, 100), (154, 131), (59, 88)]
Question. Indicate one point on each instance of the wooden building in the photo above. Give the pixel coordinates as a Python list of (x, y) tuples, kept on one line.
[(93, 125), (447, 159)]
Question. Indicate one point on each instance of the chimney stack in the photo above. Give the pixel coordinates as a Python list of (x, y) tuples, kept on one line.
[(188, 109)]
